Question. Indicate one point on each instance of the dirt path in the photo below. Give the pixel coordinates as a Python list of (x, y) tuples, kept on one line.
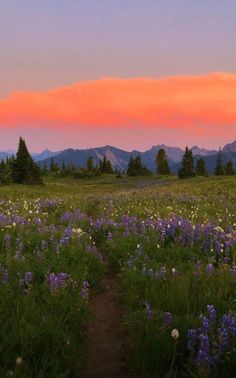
[(106, 337)]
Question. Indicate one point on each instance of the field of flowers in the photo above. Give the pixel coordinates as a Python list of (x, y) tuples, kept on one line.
[(174, 244)]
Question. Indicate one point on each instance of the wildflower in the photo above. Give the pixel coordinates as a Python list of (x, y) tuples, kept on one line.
[(203, 356), (209, 269), (192, 338), (175, 333), (7, 238), (167, 318), (84, 292), (148, 310), (212, 313), (19, 361)]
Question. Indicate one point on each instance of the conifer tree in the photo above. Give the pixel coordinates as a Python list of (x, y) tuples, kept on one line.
[(162, 163), (105, 166), (24, 170), (186, 169), (135, 167), (90, 165), (45, 169), (20, 165), (63, 170), (229, 168), (219, 169), (33, 175), (200, 169)]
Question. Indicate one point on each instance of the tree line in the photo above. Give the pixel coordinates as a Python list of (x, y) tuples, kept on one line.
[(22, 169), (188, 169)]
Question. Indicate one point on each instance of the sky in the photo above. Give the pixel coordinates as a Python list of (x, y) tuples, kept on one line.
[(130, 73)]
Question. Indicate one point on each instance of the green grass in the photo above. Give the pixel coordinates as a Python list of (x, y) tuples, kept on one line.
[(51, 237)]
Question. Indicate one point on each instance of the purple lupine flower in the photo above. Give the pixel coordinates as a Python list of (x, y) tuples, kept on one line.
[(167, 318), (5, 277), (7, 238), (25, 279), (57, 281), (148, 310), (203, 358), (211, 313), (192, 339), (84, 292), (28, 277), (210, 269)]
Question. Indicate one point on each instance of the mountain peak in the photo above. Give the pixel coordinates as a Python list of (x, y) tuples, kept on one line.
[(230, 147)]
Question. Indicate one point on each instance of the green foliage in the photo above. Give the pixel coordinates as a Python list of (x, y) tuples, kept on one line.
[(105, 166), (219, 169), (6, 171), (24, 170), (135, 167), (200, 169), (187, 168), (162, 163), (64, 225), (90, 165), (229, 168)]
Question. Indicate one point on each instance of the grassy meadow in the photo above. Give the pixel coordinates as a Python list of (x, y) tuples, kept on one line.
[(173, 243)]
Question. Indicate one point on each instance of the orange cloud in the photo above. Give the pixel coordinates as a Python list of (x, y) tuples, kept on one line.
[(184, 101)]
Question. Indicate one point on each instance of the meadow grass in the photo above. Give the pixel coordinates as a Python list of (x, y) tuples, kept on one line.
[(173, 241)]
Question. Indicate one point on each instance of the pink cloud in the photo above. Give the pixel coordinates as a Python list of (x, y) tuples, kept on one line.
[(199, 104)]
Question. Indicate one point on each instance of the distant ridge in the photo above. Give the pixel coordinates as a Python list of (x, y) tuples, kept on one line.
[(120, 158)]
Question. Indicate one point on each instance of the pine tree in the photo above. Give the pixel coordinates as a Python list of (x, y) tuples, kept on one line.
[(130, 169), (162, 163), (229, 168), (200, 169), (20, 165), (45, 169), (24, 170), (219, 169), (33, 176), (135, 167), (63, 170), (90, 165), (186, 169), (105, 166)]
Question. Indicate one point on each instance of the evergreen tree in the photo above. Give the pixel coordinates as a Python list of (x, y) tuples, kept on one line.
[(105, 166), (20, 165), (229, 168), (219, 169), (2, 172), (24, 170), (71, 170), (45, 169), (130, 166), (63, 170), (90, 165), (135, 167), (186, 169), (33, 176), (200, 169), (52, 165), (162, 163)]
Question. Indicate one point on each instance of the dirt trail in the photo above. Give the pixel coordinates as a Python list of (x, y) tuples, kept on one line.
[(105, 345)]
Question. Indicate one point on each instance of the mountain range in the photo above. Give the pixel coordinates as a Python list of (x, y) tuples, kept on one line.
[(120, 158)]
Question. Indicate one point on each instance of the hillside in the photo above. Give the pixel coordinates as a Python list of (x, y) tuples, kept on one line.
[(120, 158)]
